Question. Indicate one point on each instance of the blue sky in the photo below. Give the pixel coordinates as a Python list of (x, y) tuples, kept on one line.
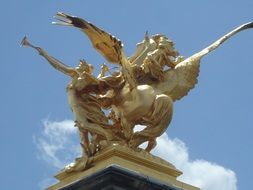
[(213, 123)]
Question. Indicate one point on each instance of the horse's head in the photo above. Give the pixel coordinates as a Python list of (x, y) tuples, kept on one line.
[(150, 44), (165, 44)]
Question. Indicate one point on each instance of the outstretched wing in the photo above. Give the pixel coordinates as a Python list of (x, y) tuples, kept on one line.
[(107, 45), (180, 80)]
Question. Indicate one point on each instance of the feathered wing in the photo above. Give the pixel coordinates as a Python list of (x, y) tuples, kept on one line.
[(187, 74), (107, 45), (180, 80)]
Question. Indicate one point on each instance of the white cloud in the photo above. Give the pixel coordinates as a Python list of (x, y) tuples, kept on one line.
[(57, 147), (201, 173)]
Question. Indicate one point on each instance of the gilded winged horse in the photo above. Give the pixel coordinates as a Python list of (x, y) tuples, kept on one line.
[(155, 76), (146, 99)]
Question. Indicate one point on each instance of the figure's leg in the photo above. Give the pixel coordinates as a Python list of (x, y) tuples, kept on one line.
[(94, 144), (127, 127), (85, 142)]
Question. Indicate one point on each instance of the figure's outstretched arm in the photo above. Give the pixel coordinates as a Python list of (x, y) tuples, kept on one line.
[(51, 60)]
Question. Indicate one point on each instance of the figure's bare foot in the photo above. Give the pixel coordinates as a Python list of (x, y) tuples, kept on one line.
[(79, 165)]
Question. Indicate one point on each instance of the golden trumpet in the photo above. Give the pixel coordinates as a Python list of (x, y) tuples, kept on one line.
[(25, 42)]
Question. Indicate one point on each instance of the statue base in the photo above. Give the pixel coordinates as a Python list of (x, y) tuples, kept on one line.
[(120, 168)]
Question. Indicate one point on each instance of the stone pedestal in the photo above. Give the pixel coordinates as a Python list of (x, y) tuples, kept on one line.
[(120, 168)]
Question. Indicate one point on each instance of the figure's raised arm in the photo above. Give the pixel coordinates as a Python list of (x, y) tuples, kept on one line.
[(51, 60)]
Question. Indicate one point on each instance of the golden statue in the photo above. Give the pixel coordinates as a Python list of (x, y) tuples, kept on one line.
[(141, 93)]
